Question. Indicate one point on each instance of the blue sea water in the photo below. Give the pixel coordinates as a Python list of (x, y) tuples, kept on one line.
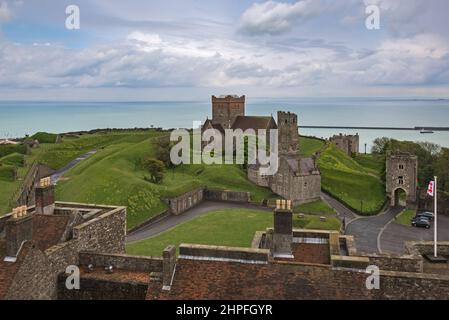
[(20, 118)]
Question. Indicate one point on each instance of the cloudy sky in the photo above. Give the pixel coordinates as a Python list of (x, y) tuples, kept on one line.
[(190, 49)]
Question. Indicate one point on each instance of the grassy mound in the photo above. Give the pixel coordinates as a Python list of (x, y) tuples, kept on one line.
[(353, 184), (13, 159), (44, 137), (7, 149), (230, 227), (308, 146)]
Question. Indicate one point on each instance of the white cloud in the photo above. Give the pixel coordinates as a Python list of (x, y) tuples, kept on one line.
[(5, 12), (273, 17), (149, 61)]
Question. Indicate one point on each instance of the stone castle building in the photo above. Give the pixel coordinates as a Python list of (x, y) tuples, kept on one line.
[(401, 175), (39, 242), (348, 143), (297, 178)]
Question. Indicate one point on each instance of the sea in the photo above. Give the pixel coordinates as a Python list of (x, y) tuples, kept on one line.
[(19, 118)]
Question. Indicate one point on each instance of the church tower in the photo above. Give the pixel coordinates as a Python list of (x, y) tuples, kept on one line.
[(225, 109)]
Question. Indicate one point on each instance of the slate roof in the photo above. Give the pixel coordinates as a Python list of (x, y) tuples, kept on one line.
[(48, 229), (8, 270), (251, 122)]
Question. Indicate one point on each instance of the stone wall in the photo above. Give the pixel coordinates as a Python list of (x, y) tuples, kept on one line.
[(36, 172), (226, 253), (226, 195), (392, 263), (105, 233), (186, 201), (121, 261)]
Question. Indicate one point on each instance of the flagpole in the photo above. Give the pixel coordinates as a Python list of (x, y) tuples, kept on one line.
[(436, 218)]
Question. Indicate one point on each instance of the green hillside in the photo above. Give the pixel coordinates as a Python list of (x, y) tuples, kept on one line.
[(308, 146), (114, 176), (350, 182)]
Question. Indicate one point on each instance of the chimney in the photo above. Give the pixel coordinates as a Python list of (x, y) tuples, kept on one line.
[(45, 197), (17, 230), (283, 230), (168, 267)]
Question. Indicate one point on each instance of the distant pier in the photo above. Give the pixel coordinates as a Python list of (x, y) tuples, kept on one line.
[(379, 128)]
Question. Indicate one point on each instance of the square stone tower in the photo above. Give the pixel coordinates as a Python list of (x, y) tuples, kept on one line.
[(288, 133), (401, 174), (225, 109)]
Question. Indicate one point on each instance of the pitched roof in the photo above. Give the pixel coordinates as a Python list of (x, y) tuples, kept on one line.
[(48, 229), (209, 124), (251, 122), (8, 270)]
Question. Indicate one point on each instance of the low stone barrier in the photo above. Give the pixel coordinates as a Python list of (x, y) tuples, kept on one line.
[(227, 195), (202, 252), (121, 261), (186, 201)]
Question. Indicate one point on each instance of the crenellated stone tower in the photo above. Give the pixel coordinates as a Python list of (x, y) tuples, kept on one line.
[(288, 133), (225, 109)]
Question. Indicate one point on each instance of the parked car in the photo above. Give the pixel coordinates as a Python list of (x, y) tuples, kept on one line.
[(427, 214), (421, 222)]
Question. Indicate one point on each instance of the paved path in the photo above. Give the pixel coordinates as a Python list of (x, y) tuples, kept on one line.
[(367, 230), (393, 238), (172, 221), (342, 210), (58, 174)]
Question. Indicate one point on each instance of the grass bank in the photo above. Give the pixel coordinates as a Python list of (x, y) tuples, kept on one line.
[(357, 186)]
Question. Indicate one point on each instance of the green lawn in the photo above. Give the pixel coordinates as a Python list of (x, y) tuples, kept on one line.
[(313, 222), (308, 146), (316, 207), (229, 227), (349, 181), (405, 217)]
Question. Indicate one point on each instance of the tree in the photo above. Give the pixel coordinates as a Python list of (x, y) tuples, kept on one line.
[(442, 169), (163, 147), (380, 145), (155, 168)]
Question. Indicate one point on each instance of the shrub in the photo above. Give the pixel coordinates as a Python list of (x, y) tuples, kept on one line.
[(156, 169), (44, 137), (8, 173)]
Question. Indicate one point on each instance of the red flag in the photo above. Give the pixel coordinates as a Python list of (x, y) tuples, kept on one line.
[(431, 188)]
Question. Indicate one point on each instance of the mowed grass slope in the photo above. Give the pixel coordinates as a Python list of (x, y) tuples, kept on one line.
[(114, 176), (353, 184), (308, 146)]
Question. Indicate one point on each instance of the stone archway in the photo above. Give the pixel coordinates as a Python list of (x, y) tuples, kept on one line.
[(399, 198), (401, 174)]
